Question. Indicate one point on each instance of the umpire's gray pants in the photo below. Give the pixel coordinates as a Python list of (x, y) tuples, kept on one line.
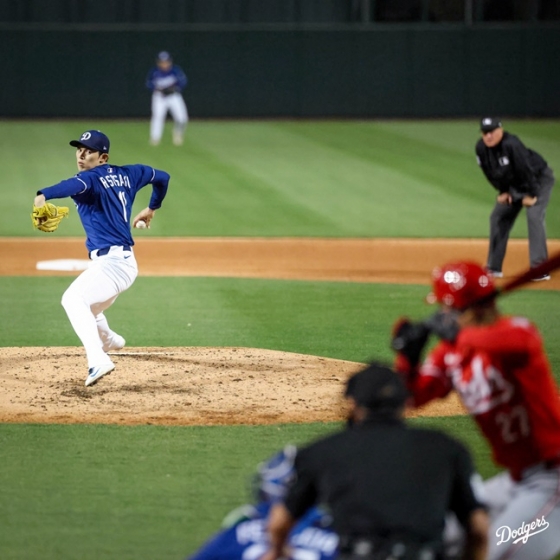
[(503, 217)]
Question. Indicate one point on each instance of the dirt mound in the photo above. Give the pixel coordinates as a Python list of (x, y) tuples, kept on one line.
[(177, 386), (204, 386)]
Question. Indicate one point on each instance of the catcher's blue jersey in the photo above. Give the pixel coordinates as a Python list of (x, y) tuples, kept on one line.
[(173, 78), (104, 197), (310, 539)]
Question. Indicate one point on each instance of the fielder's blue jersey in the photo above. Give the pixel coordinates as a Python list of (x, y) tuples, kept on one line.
[(104, 197), (173, 78), (310, 539)]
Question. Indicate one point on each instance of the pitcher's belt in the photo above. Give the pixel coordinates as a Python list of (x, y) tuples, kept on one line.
[(105, 250)]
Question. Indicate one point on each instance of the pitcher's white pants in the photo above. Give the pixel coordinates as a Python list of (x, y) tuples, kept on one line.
[(93, 291), (161, 104)]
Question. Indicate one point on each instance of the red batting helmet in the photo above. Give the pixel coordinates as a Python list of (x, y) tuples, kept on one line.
[(460, 284)]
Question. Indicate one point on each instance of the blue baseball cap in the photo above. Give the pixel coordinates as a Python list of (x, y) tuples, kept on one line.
[(271, 481), (94, 140), (164, 56)]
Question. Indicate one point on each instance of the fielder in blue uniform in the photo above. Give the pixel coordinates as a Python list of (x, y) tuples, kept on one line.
[(166, 80), (245, 536), (104, 195)]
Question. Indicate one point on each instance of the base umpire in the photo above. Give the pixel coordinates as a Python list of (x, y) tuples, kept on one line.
[(523, 179), (388, 486)]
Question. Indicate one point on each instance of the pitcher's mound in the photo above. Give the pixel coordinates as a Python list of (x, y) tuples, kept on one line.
[(182, 386)]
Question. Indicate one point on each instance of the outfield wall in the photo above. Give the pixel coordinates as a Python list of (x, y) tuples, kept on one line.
[(375, 71)]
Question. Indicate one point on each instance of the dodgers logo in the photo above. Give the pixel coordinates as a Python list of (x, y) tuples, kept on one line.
[(505, 533), (86, 136)]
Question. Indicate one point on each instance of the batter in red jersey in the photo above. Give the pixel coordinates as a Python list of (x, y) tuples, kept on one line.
[(498, 366)]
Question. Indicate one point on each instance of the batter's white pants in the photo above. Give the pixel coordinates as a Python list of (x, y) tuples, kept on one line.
[(93, 291), (161, 104), (525, 515)]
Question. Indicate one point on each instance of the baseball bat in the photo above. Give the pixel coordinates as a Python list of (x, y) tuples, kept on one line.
[(541, 270), (447, 330)]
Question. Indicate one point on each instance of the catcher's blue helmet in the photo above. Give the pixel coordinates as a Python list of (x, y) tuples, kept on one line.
[(274, 475)]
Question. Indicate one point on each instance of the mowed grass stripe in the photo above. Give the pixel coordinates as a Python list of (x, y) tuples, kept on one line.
[(359, 182), (286, 178), (117, 492), (342, 320)]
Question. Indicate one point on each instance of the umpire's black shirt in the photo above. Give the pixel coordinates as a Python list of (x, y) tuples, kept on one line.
[(382, 477), (510, 166)]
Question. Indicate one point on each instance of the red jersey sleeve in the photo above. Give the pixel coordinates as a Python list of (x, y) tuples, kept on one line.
[(430, 380)]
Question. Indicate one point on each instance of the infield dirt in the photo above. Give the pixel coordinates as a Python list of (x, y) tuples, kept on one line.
[(209, 386)]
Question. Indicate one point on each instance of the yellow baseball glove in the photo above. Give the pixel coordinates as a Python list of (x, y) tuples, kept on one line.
[(48, 217)]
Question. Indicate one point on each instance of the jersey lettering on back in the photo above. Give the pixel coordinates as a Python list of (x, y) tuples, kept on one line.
[(115, 181), (105, 206), (310, 539), (317, 539), (251, 531), (481, 386)]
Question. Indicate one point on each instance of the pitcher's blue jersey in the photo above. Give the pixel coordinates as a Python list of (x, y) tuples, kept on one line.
[(173, 78), (104, 197), (310, 539)]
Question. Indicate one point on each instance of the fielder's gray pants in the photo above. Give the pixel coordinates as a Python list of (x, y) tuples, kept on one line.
[(503, 217)]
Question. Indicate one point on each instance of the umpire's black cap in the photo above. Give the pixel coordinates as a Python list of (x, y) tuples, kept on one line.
[(488, 124), (376, 387)]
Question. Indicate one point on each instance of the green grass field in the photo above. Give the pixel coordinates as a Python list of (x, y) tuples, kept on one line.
[(282, 178), (89, 492)]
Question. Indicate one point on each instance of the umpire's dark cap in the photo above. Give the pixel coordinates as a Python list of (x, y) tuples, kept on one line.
[(488, 124), (376, 387), (94, 140)]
